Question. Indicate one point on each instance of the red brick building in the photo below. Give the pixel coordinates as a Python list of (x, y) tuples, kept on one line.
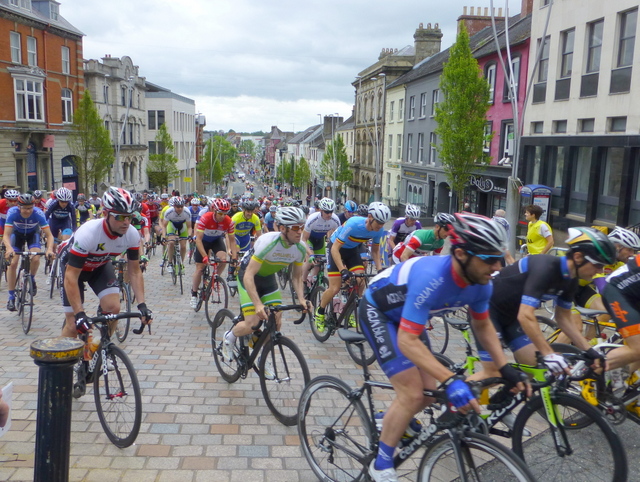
[(41, 80)]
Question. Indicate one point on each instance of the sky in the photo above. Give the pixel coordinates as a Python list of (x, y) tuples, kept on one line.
[(253, 64)]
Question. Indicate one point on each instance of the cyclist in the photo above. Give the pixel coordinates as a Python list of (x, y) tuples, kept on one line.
[(86, 257), (257, 284), (174, 221), (393, 313), (97, 203), (350, 208), (10, 200), (164, 200), (23, 225), (403, 227), (318, 227), (363, 210), (39, 200), (211, 230), (344, 255), (194, 211), (234, 208), (424, 241), (246, 223), (84, 210), (539, 236), (62, 215), (269, 219)]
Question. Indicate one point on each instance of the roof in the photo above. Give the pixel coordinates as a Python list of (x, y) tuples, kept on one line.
[(302, 136), (36, 15)]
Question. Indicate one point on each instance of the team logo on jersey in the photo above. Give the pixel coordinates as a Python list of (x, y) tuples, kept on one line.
[(100, 247)]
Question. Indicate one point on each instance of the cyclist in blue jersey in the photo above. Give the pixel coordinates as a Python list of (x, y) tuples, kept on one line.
[(61, 215), (396, 307), (23, 227), (194, 210), (344, 256), (269, 219)]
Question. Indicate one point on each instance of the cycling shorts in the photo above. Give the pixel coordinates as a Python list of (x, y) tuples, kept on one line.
[(102, 280), (244, 242), (510, 333), (182, 230), (318, 245), (350, 258), (216, 246), (32, 240), (585, 296), (382, 335), (268, 291), (60, 227), (622, 310)]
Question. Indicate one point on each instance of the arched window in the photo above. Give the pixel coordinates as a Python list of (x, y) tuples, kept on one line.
[(67, 106)]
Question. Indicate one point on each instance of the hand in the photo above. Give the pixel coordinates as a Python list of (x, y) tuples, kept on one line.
[(345, 274), (147, 314), (557, 364), (307, 304), (205, 260), (381, 269), (83, 322), (459, 392), (8, 254), (598, 358), (261, 312), (50, 254), (515, 379)]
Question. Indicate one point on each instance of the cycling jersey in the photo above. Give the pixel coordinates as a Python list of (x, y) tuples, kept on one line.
[(4, 208), (84, 211), (599, 280), (421, 242), (318, 227), (194, 212), (212, 229), (139, 221), (204, 211), (274, 253), (354, 232), (269, 220), (244, 227), (97, 202), (154, 209), (32, 224), (621, 296), (176, 218), (58, 214), (400, 230)]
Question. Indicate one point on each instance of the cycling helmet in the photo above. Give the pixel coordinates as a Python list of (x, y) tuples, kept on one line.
[(444, 219), (350, 206), (596, 247), (38, 194), (316, 204), (204, 201), (164, 195), (290, 215), (25, 199), (12, 194), (327, 204), (81, 197), (273, 209), (195, 201), (137, 196), (625, 237), (305, 209), (363, 210), (249, 205), (380, 212), (176, 201), (118, 200), (412, 211), (63, 194), (221, 205), (288, 202), (476, 233)]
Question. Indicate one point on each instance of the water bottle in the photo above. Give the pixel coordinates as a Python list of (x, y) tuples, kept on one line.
[(254, 337), (413, 429), (337, 304), (94, 343)]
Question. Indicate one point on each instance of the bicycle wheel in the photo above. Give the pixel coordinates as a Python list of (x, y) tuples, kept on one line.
[(314, 297), (122, 328), (118, 398), (547, 326), (353, 349), (181, 276), (47, 266), (174, 271), (53, 278), (335, 431), (216, 298), (438, 331), (283, 375), (202, 292), (284, 276), (223, 322), (482, 459), (27, 303), (595, 450)]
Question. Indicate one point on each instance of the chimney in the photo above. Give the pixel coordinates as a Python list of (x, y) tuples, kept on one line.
[(476, 21), (527, 8), (427, 41)]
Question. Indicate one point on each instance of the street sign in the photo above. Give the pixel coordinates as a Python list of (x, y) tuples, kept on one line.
[(186, 179), (206, 183)]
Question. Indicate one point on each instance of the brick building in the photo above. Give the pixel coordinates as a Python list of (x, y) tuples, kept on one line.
[(41, 81)]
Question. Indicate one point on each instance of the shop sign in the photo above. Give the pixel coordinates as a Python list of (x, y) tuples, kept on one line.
[(485, 184), (415, 175)]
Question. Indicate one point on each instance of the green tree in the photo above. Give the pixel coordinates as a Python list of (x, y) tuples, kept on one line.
[(90, 145), (163, 165), (335, 164), (218, 150), (302, 175), (248, 147), (461, 116), (283, 171)]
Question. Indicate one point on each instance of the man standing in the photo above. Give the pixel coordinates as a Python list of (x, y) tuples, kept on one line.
[(499, 217)]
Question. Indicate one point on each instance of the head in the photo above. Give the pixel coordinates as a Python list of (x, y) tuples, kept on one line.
[(38, 194), (290, 221), (590, 250), (177, 203), (26, 202), (249, 208), (533, 212), (411, 214), (627, 243), (443, 223), (119, 206), (378, 214), (500, 213), (350, 207), (94, 195), (220, 208), (11, 195), (81, 198), (64, 196), (477, 246), (327, 207), (363, 210)]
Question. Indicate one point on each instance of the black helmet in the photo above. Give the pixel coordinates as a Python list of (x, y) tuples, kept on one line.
[(477, 233), (593, 244), (25, 199)]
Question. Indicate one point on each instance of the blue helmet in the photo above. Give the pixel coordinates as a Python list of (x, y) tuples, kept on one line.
[(350, 206)]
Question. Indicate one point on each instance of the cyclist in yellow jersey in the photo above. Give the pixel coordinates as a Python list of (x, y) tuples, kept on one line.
[(164, 200), (246, 223), (539, 236)]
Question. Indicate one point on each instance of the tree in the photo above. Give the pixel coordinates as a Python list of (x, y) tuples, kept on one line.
[(283, 172), (163, 164), (302, 175), (90, 145), (461, 116), (335, 167), (218, 150), (249, 148)]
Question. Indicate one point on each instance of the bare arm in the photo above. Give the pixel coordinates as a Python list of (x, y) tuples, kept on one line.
[(72, 289), (375, 254), (407, 253), (549, 244)]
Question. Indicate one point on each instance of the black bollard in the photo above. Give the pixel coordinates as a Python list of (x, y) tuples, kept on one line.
[(56, 358)]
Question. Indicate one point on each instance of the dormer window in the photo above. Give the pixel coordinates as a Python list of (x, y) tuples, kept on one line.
[(55, 11), (26, 4)]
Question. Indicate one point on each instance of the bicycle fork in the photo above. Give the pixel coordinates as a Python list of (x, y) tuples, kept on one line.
[(556, 423)]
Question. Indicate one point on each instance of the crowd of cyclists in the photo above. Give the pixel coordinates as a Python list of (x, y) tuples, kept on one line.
[(255, 237)]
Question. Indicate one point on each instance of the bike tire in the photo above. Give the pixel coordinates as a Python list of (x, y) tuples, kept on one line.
[(438, 331), (181, 276), (120, 412), (352, 348), (122, 328), (218, 295), (314, 297), (27, 304), (53, 278), (202, 292), (484, 459), (229, 370), (284, 277), (547, 326), (335, 431), (607, 463)]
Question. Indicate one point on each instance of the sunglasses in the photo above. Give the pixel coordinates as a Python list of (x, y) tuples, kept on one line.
[(121, 217), (222, 212), (488, 258), (296, 228), (328, 212)]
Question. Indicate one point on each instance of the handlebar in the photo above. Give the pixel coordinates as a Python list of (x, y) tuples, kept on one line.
[(102, 319), (276, 308)]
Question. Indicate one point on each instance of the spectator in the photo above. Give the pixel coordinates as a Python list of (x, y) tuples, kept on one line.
[(539, 235), (499, 217)]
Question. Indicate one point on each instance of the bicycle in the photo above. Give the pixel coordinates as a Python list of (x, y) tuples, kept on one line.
[(24, 288), (232, 281), (177, 271), (573, 426), (192, 248), (342, 312), (122, 327), (116, 390), (337, 430), (4, 265), (213, 289), (282, 375), (313, 281), (54, 279), (284, 276)]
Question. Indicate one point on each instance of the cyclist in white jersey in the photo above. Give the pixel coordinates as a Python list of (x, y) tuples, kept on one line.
[(319, 226), (175, 223)]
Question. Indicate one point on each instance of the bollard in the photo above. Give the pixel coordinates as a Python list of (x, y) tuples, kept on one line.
[(56, 358)]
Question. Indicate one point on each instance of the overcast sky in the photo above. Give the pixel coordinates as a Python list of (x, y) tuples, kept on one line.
[(251, 64)]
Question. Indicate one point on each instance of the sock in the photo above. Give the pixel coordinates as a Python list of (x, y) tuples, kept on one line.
[(385, 457), (12, 294), (230, 337), (320, 310), (194, 293), (33, 278)]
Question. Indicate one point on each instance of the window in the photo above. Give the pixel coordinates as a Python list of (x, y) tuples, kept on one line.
[(160, 118), (412, 107), (423, 105), (515, 67), (156, 119), (123, 95), (29, 99), (488, 131), (130, 133), (628, 24), (152, 148), (16, 49), (435, 98), (537, 127), (421, 148), (566, 64), (580, 181), (26, 4), (66, 64), (390, 146), (399, 139), (587, 125), (401, 110), (433, 142), (105, 94), (107, 126), (32, 52), (594, 47), (14, 2), (508, 140), (490, 75), (391, 106), (388, 184), (617, 124), (67, 105), (55, 10), (543, 69), (560, 126), (409, 147), (610, 183)]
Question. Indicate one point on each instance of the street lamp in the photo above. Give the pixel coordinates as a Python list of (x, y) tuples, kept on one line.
[(129, 82), (377, 188), (333, 155)]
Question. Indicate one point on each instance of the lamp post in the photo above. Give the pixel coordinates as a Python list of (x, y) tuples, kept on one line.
[(333, 155), (377, 188), (128, 82)]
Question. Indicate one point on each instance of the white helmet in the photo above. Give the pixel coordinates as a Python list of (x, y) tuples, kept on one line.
[(380, 212), (195, 201), (327, 204), (412, 211), (164, 195), (290, 215), (63, 194), (625, 237)]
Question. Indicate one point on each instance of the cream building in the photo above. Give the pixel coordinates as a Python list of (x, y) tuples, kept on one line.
[(392, 155)]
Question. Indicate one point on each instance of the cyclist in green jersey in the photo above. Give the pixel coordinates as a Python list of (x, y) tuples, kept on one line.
[(423, 241)]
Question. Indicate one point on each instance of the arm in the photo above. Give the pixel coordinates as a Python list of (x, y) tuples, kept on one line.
[(137, 282), (199, 243), (6, 239), (375, 254), (549, 244), (305, 237), (47, 233), (233, 246), (407, 253)]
